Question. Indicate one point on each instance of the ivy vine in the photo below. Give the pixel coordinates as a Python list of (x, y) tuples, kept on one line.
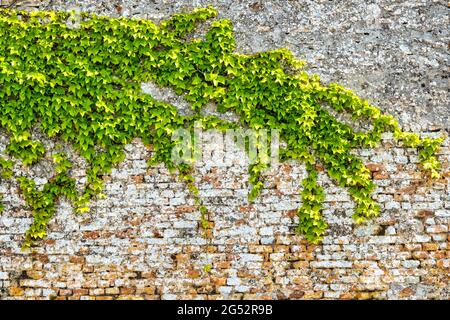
[(82, 85)]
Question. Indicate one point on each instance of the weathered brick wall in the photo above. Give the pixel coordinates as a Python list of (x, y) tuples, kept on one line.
[(143, 239)]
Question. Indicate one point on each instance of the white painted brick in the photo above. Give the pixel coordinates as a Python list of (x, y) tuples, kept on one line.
[(331, 264)]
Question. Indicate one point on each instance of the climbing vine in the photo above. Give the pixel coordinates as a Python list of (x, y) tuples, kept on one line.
[(5, 174), (81, 83)]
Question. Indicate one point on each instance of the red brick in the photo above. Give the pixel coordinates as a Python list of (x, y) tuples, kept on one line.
[(91, 234), (375, 167), (77, 259)]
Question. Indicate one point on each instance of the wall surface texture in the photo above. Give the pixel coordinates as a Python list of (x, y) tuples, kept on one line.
[(143, 239)]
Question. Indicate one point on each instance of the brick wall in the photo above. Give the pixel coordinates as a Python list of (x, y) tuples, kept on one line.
[(143, 239)]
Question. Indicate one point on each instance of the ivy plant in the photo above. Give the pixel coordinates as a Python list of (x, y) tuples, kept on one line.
[(82, 84), (5, 174)]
